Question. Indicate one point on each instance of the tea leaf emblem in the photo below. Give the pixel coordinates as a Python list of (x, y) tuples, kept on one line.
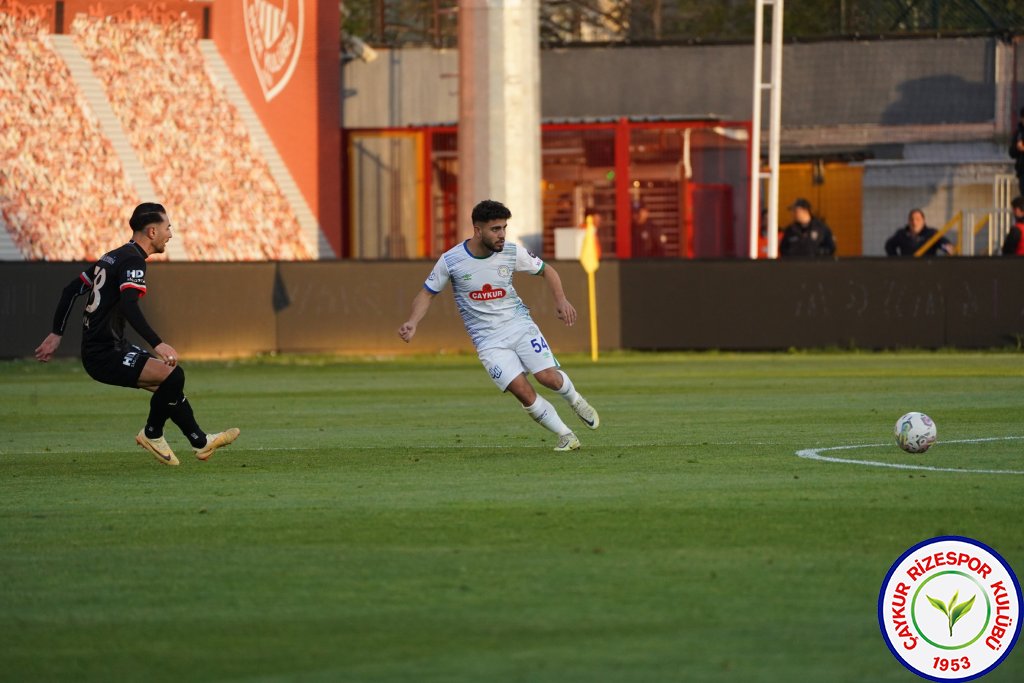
[(953, 612)]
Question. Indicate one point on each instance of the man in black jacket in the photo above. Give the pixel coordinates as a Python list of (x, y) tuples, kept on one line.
[(1017, 151), (1013, 245), (911, 237), (807, 236)]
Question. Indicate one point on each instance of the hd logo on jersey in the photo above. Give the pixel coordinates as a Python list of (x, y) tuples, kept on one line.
[(274, 29), (487, 293)]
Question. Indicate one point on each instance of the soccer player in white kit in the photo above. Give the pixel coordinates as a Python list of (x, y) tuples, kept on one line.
[(507, 340)]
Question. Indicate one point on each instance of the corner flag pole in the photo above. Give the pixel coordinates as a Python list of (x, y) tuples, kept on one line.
[(593, 316), (590, 261)]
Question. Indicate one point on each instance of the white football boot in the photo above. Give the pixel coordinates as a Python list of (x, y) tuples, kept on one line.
[(586, 412), (567, 442)]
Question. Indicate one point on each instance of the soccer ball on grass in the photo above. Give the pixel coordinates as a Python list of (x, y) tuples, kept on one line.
[(915, 432)]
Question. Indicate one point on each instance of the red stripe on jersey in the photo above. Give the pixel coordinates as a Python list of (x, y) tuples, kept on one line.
[(85, 278), (132, 285)]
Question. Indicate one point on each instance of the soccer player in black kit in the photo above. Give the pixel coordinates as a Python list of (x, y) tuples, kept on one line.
[(115, 284)]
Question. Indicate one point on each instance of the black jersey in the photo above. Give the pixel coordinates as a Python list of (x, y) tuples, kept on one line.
[(119, 270)]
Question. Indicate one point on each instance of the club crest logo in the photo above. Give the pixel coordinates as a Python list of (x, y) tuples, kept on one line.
[(274, 29), (949, 609)]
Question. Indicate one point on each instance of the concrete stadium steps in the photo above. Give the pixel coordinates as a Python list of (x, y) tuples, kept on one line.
[(8, 249), (221, 75), (110, 125)]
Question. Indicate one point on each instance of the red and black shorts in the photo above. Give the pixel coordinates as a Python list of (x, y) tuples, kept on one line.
[(117, 365)]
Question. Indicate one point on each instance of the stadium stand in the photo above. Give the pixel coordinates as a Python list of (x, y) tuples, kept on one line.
[(62, 187), (199, 154)]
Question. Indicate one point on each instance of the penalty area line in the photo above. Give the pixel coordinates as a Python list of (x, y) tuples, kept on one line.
[(816, 454)]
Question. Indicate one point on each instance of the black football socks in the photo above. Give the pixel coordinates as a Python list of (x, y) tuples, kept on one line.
[(169, 401), (181, 415), (168, 393)]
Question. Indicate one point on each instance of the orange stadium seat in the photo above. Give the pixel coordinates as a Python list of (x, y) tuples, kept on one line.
[(62, 188), (64, 194), (200, 156)]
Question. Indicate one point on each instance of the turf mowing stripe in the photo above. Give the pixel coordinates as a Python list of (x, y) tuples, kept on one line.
[(374, 447)]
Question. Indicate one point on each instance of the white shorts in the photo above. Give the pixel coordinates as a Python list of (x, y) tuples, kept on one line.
[(529, 352)]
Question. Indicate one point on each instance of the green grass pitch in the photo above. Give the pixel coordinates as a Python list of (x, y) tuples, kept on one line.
[(399, 520)]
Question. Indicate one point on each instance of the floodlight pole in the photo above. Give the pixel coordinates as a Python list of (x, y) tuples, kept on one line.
[(774, 88)]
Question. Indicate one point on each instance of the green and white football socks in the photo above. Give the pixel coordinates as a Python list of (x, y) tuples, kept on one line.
[(567, 390), (546, 416)]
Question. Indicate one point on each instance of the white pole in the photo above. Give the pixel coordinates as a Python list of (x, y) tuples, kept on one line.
[(755, 131), (774, 131)]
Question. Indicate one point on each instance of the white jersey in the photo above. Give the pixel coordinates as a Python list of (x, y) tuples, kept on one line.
[(484, 295)]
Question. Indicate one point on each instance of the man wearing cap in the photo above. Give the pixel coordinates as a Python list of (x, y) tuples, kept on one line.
[(1017, 151), (807, 236)]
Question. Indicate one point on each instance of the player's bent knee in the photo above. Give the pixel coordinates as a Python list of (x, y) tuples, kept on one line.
[(157, 372), (175, 380), (549, 377), (521, 388)]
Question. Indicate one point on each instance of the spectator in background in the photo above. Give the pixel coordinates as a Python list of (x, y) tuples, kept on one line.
[(1017, 151), (807, 236), (1013, 245), (563, 215), (648, 242), (911, 237)]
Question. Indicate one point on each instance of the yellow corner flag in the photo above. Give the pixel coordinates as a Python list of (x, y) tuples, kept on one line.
[(589, 259)]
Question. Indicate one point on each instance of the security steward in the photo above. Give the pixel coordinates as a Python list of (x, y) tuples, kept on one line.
[(807, 236)]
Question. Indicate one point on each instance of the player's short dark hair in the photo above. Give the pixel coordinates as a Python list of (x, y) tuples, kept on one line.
[(145, 215), (913, 211), (1018, 203), (489, 210)]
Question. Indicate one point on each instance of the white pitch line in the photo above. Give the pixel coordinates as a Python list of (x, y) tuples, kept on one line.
[(816, 454)]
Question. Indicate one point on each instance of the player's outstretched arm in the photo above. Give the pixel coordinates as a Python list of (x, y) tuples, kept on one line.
[(563, 309), (74, 289), (420, 305)]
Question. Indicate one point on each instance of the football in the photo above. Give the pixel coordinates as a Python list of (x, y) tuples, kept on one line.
[(915, 432)]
